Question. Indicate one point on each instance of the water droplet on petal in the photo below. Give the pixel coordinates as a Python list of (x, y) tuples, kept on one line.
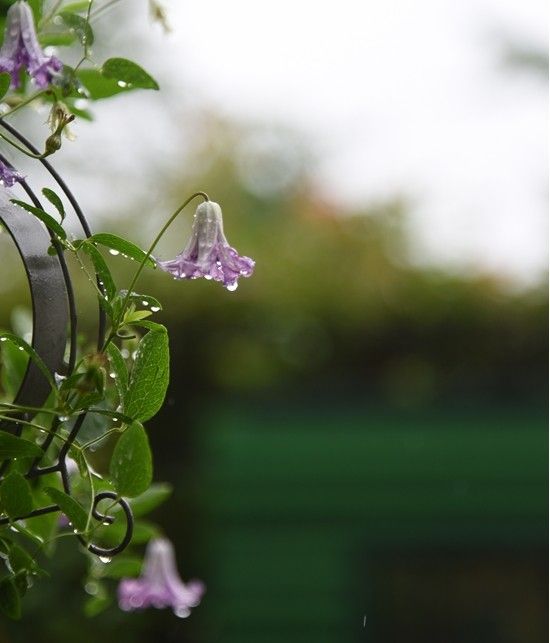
[(232, 287), (182, 612)]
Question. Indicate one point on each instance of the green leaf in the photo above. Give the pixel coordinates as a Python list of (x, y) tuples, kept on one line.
[(143, 300), (27, 348), (15, 495), (77, 7), (97, 604), (80, 26), (132, 316), (122, 567), (10, 603), (46, 218), (121, 246), (118, 366), (36, 6), (131, 465), (5, 81), (13, 447), (101, 268), (98, 86), (70, 507), (127, 72), (21, 561), (14, 365), (157, 493), (149, 377), (57, 38), (55, 201)]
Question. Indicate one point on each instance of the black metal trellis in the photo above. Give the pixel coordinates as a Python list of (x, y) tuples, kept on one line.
[(54, 326)]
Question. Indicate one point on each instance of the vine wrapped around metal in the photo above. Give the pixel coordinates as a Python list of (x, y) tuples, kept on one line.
[(54, 328)]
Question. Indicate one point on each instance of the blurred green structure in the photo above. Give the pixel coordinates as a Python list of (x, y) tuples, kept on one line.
[(364, 526)]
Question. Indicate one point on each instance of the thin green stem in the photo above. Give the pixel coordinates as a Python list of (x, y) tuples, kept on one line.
[(83, 447), (103, 8), (22, 149), (18, 408), (7, 418), (28, 100)]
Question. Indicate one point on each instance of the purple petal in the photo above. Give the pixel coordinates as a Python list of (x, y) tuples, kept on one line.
[(9, 176), (22, 49), (159, 585)]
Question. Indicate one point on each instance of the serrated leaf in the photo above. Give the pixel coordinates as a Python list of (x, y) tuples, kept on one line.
[(15, 495), (10, 603), (131, 465), (70, 507), (127, 72), (55, 201), (12, 446), (149, 377), (5, 82), (121, 246), (80, 26), (46, 218)]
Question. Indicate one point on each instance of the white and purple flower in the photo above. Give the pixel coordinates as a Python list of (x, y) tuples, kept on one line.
[(22, 49), (160, 584), (208, 254), (8, 175)]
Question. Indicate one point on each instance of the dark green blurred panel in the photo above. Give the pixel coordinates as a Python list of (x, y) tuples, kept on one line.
[(307, 517)]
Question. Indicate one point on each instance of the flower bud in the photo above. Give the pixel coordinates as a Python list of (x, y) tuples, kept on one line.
[(53, 143)]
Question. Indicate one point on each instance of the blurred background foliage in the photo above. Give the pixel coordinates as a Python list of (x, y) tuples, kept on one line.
[(357, 441)]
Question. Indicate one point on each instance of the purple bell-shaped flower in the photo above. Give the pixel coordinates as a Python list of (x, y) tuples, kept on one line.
[(160, 584), (22, 49)]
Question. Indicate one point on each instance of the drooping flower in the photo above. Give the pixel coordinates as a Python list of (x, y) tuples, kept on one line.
[(8, 175), (208, 254), (160, 584), (22, 49)]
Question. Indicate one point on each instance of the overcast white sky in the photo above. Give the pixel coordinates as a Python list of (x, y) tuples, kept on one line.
[(397, 97)]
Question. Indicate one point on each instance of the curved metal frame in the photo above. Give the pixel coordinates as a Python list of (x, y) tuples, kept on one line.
[(54, 310)]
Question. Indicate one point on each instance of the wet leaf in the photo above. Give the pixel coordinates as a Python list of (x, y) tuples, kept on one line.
[(15, 495), (131, 466), (127, 72)]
